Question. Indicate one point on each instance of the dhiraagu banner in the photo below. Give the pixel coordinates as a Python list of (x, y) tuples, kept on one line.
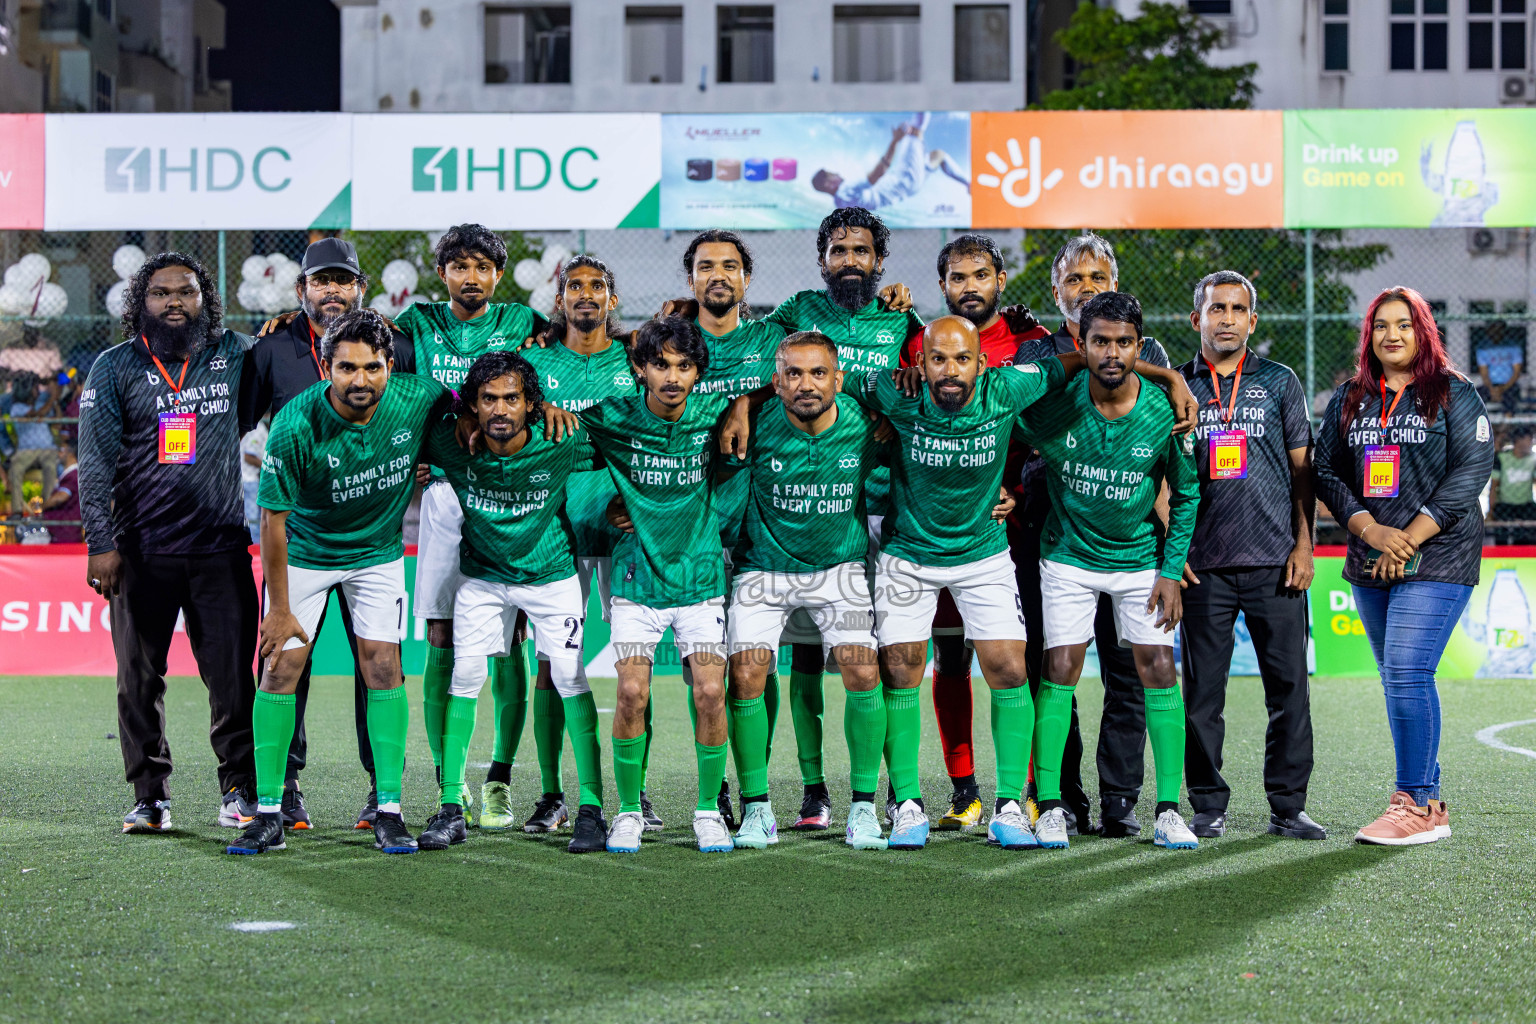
[(1410, 168)]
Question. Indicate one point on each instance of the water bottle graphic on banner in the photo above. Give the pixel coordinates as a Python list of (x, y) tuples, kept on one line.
[(1508, 630)]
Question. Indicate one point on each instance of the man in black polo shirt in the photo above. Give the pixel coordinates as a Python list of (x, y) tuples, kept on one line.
[(1252, 553), (1083, 268), (165, 526), (285, 361)]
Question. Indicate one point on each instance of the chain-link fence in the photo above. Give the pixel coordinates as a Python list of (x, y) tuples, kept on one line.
[(60, 290)]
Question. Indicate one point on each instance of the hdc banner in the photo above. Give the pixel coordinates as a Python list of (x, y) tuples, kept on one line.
[(197, 171)]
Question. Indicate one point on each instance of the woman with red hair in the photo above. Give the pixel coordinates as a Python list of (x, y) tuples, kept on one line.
[(1402, 454)]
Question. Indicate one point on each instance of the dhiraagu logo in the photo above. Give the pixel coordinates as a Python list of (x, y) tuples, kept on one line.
[(1014, 170), (522, 169)]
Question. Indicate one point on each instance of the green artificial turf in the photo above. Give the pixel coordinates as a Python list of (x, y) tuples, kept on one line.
[(95, 925)]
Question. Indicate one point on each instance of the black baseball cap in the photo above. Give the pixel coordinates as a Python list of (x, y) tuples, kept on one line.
[(328, 254)]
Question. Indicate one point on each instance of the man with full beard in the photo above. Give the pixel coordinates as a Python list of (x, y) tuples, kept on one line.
[(165, 525), (283, 362)]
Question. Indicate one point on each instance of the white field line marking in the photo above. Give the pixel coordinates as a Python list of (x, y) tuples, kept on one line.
[(1490, 737), (263, 926)]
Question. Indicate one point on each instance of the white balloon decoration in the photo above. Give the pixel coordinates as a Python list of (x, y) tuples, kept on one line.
[(554, 256), (529, 274), (117, 298), (126, 261)]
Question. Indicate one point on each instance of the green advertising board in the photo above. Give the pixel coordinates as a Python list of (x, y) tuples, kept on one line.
[(1410, 168)]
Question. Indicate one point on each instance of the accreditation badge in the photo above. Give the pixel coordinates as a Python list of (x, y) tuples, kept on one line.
[(178, 438), (1229, 454), (1382, 462)]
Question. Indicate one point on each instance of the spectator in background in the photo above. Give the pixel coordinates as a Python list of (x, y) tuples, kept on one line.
[(63, 504), (67, 402), (33, 354), (252, 447), (1513, 498), (1500, 362), (35, 447)]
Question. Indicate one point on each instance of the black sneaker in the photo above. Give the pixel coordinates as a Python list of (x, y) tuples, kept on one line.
[(390, 835), (265, 832), (591, 832), (653, 822), (1209, 824), (1118, 819), (1296, 825), (370, 811), (444, 829), (147, 817), (815, 811), (237, 807), (549, 814), (295, 815), (723, 803)]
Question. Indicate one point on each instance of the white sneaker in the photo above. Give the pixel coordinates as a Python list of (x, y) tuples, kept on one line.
[(1051, 829), (1171, 832), (759, 829), (624, 835), (710, 830), (864, 828)]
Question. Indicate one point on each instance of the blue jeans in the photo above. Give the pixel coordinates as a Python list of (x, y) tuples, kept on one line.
[(1409, 625)]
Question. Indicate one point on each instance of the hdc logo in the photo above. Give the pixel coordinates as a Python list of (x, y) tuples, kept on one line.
[(134, 169), (436, 169)]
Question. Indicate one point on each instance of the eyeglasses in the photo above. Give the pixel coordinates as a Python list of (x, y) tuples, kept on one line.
[(342, 278)]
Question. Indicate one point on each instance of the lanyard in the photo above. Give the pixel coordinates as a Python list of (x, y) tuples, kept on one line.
[(176, 387), (1386, 413), (318, 371), (1237, 381)]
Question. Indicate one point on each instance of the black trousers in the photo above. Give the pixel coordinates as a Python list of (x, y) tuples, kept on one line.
[(1123, 728), (217, 595), (1277, 621), (298, 750)]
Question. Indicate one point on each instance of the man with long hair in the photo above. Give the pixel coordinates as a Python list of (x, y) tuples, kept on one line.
[(165, 525)]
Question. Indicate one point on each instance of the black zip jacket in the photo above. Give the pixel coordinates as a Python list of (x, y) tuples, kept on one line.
[(285, 362)]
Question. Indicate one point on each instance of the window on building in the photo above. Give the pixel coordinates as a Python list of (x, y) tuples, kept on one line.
[(876, 43), (1418, 35), (1210, 7), (104, 8), (104, 93), (528, 45), (1335, 35), (1496, 35), (653, 44), (981, 43), (745, 51)]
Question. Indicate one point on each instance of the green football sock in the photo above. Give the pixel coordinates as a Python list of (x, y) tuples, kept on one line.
[(1013, 727), (580, 716), (864, 729), (645, 756), (627, 771), (1165, 726), (459, 727), (509, 697), (389, 718), (807, 704), (549, 736), (903, 734), (771, 705), (1053, 720), (749, 744), (435, 679), (272, 724), (711, 773)]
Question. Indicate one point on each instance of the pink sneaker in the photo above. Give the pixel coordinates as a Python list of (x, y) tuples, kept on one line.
[(1405, 824)]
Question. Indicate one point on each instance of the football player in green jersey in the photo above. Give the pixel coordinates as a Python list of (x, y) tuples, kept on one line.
[(802, 546), (448, 337), (337, 475), (583, 363), (668, 571), (1105, 441), (516, 558)]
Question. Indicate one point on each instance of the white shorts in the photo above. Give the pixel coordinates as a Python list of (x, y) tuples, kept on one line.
[(799, 628), (375, 596), (696, 628), (1070, 596), (437, 552), (836, 601), (485, 612), (588, 572), (985, 592)]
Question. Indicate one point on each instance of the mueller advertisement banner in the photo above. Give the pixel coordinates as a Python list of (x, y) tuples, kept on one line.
[(197, 171), (21, 171), (1127, 169), (791, 170), (528, 171), (1410, 168)]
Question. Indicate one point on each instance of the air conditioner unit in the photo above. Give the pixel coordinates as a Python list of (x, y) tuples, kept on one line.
[(1487, 240), (1516, 90)]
